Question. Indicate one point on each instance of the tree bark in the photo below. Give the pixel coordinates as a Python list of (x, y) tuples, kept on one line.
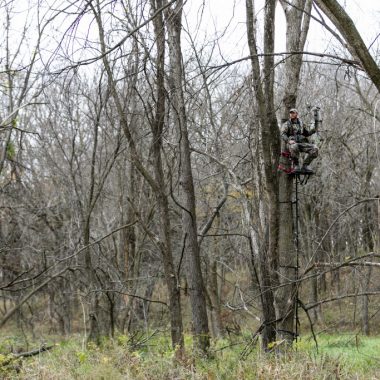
[(189, 219)]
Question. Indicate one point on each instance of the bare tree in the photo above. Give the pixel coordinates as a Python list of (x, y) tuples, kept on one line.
[(162, 196), (263, 89), (189, 217)]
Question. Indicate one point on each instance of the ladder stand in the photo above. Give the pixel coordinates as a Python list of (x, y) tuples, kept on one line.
[(299, 179)]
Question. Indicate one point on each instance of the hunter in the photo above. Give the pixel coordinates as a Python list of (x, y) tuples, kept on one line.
[(295, 134)]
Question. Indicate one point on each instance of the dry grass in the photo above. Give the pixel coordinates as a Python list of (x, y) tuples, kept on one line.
[(117, 359)]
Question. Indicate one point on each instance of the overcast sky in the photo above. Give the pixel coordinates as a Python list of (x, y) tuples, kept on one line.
[(217, 15), (204, 21)]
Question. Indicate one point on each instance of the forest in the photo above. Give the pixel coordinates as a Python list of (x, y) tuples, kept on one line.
[(143, 209)]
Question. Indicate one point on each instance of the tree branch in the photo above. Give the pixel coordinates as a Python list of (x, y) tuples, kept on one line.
[(337, 298), (287, 55), (347, 28)]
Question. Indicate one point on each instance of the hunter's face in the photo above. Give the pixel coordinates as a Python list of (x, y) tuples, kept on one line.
[(293, 115)]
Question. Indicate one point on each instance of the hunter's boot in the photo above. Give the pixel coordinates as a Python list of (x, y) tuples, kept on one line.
[(306, 162), (296, 165)]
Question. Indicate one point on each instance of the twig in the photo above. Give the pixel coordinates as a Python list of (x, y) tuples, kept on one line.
[(310, 321), (215, 213), (249, 347), (130, 295), (117, 45)]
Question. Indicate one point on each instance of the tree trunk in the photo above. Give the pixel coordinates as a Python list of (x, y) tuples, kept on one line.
[(263, 88), (286, 297), (369, 243), (93, 286), (189, 219), (213, 290), (365, 281), (171, 277), (129, 261)]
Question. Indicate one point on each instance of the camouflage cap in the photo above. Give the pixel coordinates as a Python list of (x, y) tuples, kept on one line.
[(293, 110)]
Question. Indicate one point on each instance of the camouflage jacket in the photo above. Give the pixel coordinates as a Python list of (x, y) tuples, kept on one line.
[(296, 131)]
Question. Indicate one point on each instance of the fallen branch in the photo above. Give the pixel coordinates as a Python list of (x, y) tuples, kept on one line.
[(27, 354), (11, 358)]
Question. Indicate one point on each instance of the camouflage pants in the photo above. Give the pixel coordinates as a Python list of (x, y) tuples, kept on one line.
[(311, 151)]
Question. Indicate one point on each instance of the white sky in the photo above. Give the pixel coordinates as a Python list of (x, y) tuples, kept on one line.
[(218, 14), (205, 21)]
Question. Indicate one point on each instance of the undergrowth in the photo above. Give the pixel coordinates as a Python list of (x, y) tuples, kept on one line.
[(148, 357)]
